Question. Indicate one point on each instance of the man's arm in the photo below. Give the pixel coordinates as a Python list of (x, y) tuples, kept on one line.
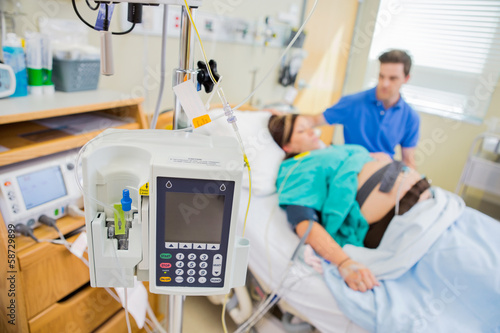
[(356, 275), (408, 156), (315, 120)]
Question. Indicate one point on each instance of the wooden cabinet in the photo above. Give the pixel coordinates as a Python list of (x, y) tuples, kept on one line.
[(43, 287), (24, 134)]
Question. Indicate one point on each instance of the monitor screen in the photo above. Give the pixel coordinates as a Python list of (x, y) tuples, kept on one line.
[(193, 217), (42, 186)]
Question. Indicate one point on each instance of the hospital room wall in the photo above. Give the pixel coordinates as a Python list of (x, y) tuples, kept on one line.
[(444, 143), (137, 56)]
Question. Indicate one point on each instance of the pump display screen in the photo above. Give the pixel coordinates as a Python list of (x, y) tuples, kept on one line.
[(42, 186), (193, 217), (193, 223)]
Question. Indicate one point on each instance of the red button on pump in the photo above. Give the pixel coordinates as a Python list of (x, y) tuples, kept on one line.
[(7, 183), (165, 265)]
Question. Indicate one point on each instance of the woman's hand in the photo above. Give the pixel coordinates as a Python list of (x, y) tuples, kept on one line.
[(357, 276)]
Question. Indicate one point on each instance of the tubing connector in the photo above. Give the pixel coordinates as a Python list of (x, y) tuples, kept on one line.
[(126, 201), (229, 113)]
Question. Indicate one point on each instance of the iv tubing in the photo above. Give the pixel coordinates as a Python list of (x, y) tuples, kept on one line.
[(226, 106), (152, 315), (223, 315), (274, 295), (64, 242), (126, 310)]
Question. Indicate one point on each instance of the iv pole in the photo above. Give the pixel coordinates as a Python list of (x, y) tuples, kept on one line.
[(180, 121), (186, 63)]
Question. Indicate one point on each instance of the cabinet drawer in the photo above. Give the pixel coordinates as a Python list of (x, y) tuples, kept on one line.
[(49, 273), (118, 323), (83, 312)]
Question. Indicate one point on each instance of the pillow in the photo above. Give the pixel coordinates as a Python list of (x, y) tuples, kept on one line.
[(264, 155)]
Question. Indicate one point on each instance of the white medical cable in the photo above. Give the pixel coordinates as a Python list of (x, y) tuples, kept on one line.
[(216, 89), (268, 304), (64, 241), (274, 296), (152, 315), (405, 175), (148, 325), (163, 61), (127, 319), (74, 210), (112, 294), (277, 63), (146, 328), (53, 241)]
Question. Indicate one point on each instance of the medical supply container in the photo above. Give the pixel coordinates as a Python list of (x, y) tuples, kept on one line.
[(34, 63), (75, 75), (13, 54)]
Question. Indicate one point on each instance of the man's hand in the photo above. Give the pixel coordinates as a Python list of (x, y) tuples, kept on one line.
[(408, 157), (381, 156), (275, 112), (357, 276)]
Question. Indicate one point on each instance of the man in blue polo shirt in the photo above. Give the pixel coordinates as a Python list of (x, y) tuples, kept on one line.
[(379, 119)]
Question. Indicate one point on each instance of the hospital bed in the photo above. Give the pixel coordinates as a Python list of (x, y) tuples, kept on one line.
[(437, 247), (273, 242)]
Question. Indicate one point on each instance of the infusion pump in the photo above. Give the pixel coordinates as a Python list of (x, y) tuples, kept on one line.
[(180, 229)]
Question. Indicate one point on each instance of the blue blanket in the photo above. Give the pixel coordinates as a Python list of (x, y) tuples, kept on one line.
[(453, 287)]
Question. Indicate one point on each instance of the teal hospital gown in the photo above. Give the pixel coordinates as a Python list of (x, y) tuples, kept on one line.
[(326, 180)]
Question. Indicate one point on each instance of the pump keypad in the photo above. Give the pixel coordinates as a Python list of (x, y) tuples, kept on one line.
[(188, 266)]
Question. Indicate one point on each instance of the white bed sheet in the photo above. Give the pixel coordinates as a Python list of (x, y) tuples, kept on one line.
[(272, 243)]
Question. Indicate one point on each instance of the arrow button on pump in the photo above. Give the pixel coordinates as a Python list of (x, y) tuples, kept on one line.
[(217, 265), (213, 247)]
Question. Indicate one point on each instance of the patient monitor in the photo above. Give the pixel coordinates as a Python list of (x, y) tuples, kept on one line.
[(180, 229), (44, 186)]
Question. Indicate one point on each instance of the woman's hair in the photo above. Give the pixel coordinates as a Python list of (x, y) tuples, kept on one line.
[(281, 128)]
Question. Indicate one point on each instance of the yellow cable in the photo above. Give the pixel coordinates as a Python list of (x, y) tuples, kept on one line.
[(201, 44), (247, 163), (249, 192), (223, 317)]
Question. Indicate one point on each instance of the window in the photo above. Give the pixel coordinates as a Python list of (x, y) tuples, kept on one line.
[(455, 47)]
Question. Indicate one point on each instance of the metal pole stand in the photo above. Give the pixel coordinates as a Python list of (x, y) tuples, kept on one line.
[(175, 313), (186, 64)]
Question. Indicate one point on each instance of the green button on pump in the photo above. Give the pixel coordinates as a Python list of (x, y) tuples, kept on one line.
[(56, 212), (165, 256)]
